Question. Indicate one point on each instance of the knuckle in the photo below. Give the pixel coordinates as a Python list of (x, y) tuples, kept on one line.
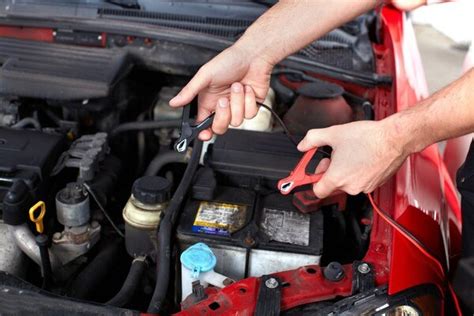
[(337, 180), (318, 192), (351, 190), (202, 70), (311, 133)]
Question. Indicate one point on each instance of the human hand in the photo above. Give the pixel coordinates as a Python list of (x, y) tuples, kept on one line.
[(229, 85), (408, 5), (365, 155)]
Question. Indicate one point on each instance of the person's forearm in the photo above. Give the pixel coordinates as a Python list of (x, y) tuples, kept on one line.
[(292, 24), (448, 113)]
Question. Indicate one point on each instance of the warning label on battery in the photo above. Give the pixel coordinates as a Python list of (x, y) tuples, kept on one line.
[(219, 218), (286, 226)]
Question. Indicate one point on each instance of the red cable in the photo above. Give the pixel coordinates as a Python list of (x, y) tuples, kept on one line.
[(417, 244)]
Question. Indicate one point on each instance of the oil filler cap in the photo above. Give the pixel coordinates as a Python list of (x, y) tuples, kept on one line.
[(151, 190), (198, 258)]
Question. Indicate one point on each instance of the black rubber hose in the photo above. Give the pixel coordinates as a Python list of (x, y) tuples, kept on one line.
[(163, 159), (166, 228), (42, 241), (145, 125), (131, 283), (97, 270)]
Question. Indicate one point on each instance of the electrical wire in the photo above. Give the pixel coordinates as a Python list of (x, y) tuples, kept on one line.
[(285, 128), (386, 217), (101, 207), (280, 121), (418, 244)]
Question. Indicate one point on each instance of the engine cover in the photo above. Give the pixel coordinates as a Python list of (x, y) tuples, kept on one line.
[(27, 155)]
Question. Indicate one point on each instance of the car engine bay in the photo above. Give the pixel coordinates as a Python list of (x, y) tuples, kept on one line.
[(88, 131)]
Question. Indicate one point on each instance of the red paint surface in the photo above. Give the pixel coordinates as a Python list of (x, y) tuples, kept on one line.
[(240, 298), (422, 184), (27, 33)]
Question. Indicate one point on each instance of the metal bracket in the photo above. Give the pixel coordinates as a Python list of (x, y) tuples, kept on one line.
[(363, 277), (269, 296)]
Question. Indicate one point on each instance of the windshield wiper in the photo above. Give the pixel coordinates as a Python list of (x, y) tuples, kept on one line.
[(129, 4)]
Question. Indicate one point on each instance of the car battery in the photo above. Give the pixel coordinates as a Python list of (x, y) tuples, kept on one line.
[(251, 233)]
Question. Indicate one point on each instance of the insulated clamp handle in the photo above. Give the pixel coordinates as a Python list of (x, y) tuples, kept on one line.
[(299, 177)]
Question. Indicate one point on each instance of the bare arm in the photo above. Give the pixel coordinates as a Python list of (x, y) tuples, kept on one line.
[(448, 113), (293, 24), (231, 82), (366, 153)]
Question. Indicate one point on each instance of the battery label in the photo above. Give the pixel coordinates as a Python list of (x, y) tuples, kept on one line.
[(286, 226), (219, 218)]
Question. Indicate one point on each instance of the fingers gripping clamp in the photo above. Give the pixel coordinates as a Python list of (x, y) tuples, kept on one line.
[(298, 177)]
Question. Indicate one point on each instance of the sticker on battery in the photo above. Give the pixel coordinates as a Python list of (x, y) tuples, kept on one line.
[(286, 226), (219, 218)]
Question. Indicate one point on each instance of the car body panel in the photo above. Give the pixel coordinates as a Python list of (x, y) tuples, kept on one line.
[(425, 199)]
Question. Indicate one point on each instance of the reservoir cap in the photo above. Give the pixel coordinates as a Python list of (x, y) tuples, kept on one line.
[(198, 258), (151, 190)]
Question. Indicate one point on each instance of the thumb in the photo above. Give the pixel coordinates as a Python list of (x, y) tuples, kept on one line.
[(200, 81), (315, 138)]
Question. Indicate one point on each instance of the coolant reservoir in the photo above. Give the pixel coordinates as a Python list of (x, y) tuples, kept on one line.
[(142, 213), (263, 121), (197, 263)]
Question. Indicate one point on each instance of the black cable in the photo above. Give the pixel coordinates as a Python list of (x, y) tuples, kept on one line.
[(386, 216), (42, 241), (101, 207), (285, 128), (280, 121), (163, 256), (131, 283)]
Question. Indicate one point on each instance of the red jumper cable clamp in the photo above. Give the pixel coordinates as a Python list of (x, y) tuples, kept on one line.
[(299, 177)]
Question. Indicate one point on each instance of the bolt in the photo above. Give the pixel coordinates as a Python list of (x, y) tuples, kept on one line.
[(334, 272), (271, 283), (57, 236), (363, 268), (94, 224), (249, 241), (227, 282)]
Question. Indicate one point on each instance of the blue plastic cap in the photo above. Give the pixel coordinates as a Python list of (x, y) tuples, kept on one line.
[(198, 258)]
